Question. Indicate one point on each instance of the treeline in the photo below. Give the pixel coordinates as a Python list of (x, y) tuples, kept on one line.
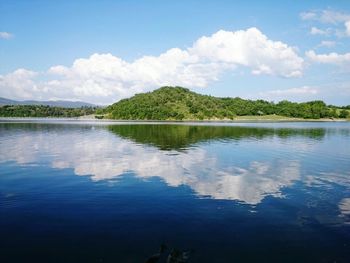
[(43, 111), (177, 103), (340, 107)]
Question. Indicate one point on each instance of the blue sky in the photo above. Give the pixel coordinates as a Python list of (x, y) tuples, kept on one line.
[(102, 51)]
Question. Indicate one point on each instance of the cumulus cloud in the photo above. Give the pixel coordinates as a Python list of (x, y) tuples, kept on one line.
[(19, 84), (5, 35), (250, 48), (342, 60), (105, 78)]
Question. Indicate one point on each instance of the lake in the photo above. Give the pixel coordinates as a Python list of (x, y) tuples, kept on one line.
[(74, 191)]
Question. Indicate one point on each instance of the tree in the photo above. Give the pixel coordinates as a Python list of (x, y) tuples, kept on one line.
[(344, 114)]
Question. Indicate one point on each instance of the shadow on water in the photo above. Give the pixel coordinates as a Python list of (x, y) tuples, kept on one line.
[(177, 137)]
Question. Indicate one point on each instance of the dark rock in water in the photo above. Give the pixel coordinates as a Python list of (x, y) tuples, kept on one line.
[(156, 257)]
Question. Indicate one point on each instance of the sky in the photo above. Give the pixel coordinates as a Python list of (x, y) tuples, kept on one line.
[(103, 51)]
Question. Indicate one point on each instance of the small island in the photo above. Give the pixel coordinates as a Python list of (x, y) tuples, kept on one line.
[(181, 104)]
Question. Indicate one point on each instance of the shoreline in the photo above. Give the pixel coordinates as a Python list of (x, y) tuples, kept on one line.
[(241, 119)]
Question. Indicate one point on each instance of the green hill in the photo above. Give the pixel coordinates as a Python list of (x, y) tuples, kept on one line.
[(177, 103)]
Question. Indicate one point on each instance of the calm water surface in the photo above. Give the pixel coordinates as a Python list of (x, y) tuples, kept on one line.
[(114, 192)]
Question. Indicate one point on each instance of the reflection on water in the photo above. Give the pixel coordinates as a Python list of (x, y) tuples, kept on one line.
[(105, 157), (295, 175), (203, 168), (344, 207), (175, 137)]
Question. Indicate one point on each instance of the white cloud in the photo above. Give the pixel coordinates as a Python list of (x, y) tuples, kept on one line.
[(317, 31), (327, 43), (347, 26), (19, 84), (342, 60), (331, 17), (5, 35), (326, 16), (308, 15), (250, 48), (104, 78)]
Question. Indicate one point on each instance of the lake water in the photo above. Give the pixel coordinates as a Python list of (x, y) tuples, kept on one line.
[(114, 192)]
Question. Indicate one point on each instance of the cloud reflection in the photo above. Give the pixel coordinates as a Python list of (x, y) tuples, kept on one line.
[(344, 207), (103, 156), (328, 178)]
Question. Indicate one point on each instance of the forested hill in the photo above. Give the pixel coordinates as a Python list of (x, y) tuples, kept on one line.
[(177, 103)]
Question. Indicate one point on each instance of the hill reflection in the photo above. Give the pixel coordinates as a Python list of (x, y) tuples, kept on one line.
[(177, 137)]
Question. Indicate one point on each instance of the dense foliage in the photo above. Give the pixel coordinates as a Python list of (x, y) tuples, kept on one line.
[(43, 111), (177, 103)]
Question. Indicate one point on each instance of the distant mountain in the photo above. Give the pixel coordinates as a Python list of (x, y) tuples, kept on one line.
[(55, 103), (177, 103), (4, 101)]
